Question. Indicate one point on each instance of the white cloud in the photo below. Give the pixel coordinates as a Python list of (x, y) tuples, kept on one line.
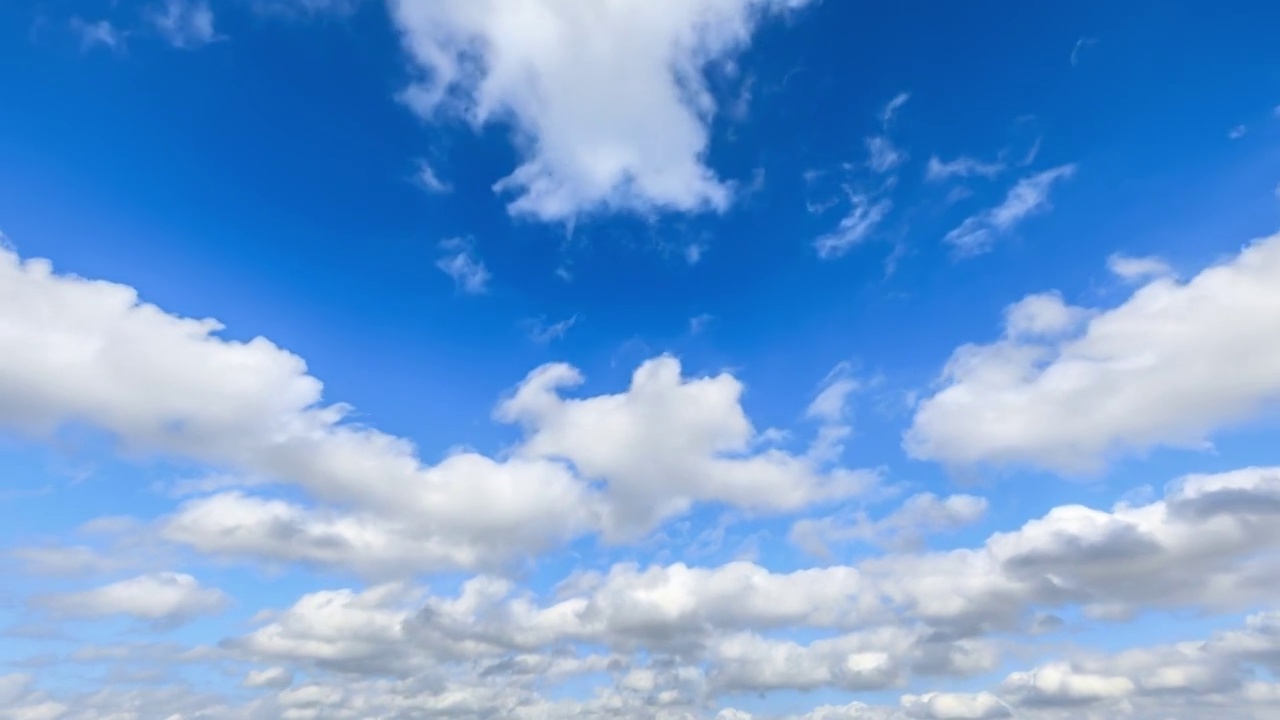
[(1078, 49), (1136, 269), (892, 107), (920, 515), (552, 69), (100, 32), (882, 154), (162, 598), (430, 181), (542, 332), (90, 352), (1030, 196), (186, 24), (1171, 365), (273, 677), (666, 443), (461, 263), (1237, 132), (955, 706), (863, 218), (962, 167)]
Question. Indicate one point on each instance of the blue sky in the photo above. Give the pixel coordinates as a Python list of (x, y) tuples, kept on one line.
[(719, 358)]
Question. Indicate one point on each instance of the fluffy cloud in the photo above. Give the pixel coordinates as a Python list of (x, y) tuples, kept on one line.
[(551, 69), (666, 443), (955, 706), (161, 598), (90, 352), (1169, 366), (1030, 196)]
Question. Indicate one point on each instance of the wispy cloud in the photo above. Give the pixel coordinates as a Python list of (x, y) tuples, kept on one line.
[(1237, 132), (1079, 48), (962, 167), (1028, 197), (99, 33), (864, 215), (893, 106), (698, 324), (430, 181), (882, 154), (186, 24), (542, 332), (461, 263)]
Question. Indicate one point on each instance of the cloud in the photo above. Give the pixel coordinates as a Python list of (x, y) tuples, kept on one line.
[(430, 181), (186, 24), (551, 70), (962, 167), (1078, 50), (892, 107), (864, 216), (1237, 132), (1030, 196), (882, 154), (664, 444), (461, 263), (1151, 372), (98, 33), (920, 515), (955, 706), (163, 384), (164, 598), (542, 333), (1137, 269), (273, 677)]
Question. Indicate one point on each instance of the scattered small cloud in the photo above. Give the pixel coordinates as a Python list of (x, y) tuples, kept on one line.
[(186, 24), (882, 154), (863, 217), (1028, 197), (1080, 47), (542, 332), (962, 167), (1138, 269), (1237, 132), (461, 263), (693, 253), (100, 33), (893, 106), (698, 324), (430, 181)]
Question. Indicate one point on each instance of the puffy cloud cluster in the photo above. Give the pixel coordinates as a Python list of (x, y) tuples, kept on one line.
[(551, 70), (91, 352), (1067, 388)]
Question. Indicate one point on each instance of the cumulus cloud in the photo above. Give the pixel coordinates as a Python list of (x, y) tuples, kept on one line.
[(1169, 366), (163, 598), (273, 677), (906, 527), (90, 352), (666, 443), (551, 70), (1030, 196)]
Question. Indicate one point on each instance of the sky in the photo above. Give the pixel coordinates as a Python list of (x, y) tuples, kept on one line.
[(654, 359)]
